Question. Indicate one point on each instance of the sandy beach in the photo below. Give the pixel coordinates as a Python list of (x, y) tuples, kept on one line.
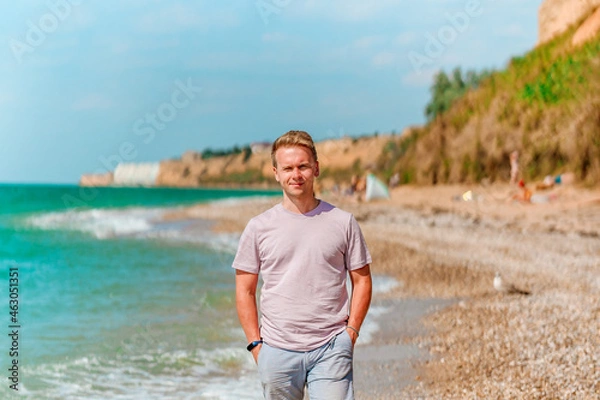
[(449, 333)]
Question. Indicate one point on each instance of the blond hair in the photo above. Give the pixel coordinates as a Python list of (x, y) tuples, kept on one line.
[(293, 138)]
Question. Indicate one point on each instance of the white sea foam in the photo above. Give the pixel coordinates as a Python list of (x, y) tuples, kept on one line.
[(383, 284), (141, 223), (227, 373), (370, 326), (101, 223)]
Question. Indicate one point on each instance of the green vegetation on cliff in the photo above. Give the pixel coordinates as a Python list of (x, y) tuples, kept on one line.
[(446, 89), (545, 104), (248, 177), (210, 153)]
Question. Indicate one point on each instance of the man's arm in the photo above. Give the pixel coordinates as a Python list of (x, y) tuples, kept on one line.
[(362, 288), (245, 301)]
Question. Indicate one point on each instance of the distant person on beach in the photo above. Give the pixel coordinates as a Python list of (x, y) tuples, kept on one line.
[(525, 194), (353, 183), (514, 167), (304, 249), (358, 186), (394, 180)]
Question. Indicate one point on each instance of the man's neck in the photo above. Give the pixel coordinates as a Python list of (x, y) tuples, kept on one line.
[(300, 206)]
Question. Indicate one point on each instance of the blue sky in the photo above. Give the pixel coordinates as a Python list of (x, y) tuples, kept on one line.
[(86, 83)]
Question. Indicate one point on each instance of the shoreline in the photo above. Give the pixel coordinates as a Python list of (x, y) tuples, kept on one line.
[(388, 364), (442, 248)]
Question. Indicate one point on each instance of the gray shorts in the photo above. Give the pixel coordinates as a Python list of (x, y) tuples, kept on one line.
[(326, 371)]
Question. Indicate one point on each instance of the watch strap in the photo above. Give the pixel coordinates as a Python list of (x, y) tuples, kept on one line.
[(252, 345)]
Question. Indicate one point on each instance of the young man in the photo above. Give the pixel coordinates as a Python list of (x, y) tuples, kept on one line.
[(304, 249)]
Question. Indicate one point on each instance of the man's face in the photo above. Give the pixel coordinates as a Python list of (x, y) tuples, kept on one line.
[(296, 170)]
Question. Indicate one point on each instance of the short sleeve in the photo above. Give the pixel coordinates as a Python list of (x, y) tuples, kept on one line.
[(357, 255), (247, 257)]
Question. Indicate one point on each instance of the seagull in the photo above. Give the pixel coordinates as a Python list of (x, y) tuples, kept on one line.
[(508, 288)]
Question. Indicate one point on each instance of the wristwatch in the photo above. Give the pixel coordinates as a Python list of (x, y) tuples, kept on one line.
[(253, 344)]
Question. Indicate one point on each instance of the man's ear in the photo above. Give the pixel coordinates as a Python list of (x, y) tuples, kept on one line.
[(317, 169), (275, 173)]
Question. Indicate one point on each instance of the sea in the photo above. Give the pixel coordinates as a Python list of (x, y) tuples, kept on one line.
[(105, 298)]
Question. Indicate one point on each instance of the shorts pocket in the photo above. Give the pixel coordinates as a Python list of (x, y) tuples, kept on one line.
[(261, 353), (345, 341)]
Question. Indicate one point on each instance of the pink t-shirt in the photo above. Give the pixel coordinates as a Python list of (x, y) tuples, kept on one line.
[(303, 260)]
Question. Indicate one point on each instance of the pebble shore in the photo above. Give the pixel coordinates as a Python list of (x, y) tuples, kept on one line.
[(490, 345)]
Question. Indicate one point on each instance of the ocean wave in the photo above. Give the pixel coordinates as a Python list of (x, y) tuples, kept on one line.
[(198, 233), (140, 223), (226, 373), (101, 223)]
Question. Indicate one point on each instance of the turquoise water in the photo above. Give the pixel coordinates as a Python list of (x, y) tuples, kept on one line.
[(114, 301)]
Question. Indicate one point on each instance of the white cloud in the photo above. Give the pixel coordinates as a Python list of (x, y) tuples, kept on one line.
[(180, 17), (224, 61), (367, 42), (422, 78), (347, 10), (405, 38), (173, 18), (81, 18), (383, 59), (92, 101)]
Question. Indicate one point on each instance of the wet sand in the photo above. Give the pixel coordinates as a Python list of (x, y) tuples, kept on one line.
[(388, 364)]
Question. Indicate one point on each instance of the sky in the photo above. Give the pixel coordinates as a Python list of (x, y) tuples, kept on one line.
[(85, 84)]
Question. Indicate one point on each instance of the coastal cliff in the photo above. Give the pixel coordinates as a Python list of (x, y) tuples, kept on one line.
[(105, 179), (339, 158), (556, 16), (545, 105)]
